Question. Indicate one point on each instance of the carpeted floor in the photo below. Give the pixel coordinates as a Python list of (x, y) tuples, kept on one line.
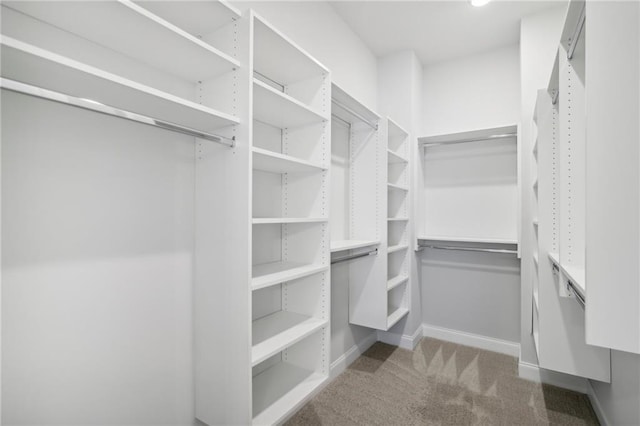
[(440, 383)]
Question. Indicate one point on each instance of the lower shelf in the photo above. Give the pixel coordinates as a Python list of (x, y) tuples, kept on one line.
[(396, 281), (279, 390), (267, 274), (275, 332), (396, 316)]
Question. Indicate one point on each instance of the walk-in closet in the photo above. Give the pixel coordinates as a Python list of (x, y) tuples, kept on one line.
[(319, 212)]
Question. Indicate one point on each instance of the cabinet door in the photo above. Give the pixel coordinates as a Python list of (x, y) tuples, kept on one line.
[(613, 175)]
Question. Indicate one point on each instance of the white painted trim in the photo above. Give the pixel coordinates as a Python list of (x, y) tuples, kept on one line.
[(597, 407), (404, 341), (469, 339), (344, 360), (534, 373)]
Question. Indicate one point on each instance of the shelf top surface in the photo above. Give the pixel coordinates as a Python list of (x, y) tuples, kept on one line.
[(341, 245), (341, 97), (281, 110), (276, 162), (471, 136), (395, 130)]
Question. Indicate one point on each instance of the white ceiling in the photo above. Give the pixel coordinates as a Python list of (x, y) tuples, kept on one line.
[(437, 30)]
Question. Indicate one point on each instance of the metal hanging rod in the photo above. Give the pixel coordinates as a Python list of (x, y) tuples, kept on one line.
[(263, 77), (95, 106), (577, 292), (577, 32), (373, 252), (480, 139), (478, 249), (359, 116), (341, 120)]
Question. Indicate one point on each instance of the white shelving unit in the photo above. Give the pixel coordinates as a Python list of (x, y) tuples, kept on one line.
[(559, 321), (290, 280)]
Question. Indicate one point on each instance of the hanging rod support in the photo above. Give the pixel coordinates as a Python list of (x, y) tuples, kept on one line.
[(359, 116), (477, 249), (340, 120), (480, 139), (554, 96), (373, 252), (88, 104), (266, 79), (577, 32)]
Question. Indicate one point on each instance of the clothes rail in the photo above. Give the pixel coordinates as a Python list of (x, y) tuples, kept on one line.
[(360, 117), (95, 106), (577, 32), (354, 256), (266, 79), (462, 248), (479, 139), (340, 120), (577, 292)]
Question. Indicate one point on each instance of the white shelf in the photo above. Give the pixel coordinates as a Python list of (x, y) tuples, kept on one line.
[(279, 58), (397, 187), (396, 316), (393, 249), (342, 245), (274, 162), (553, 257), (467, 239), (286, 220), (576, 275), (138, 35), (276, 332), (279, 109), (268, 274), (341, 98), (279, 390), (396, 158), (481, 135), (31, 65), (395, 131), (398, 219), (396, 281), (200, 19)]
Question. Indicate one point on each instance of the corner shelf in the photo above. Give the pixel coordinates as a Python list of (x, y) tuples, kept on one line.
[(342, 245), (38, 67), (269, 161), (275, 332), (272, 273)]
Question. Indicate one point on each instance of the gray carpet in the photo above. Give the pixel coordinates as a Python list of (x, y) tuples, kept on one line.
[(440, 383)]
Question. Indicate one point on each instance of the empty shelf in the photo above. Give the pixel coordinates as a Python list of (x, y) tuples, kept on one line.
[(393, 249), (275, 162), (285, 220), (38, 67), (279, 109), (200, 19), (397, 219), (397, 187), (396, 316), (267, 274), (138, 35), (554, 258), (342, 245), (278, 331), (396, 281), (395, 131), (467, 239), (396, 158), (279, 390)]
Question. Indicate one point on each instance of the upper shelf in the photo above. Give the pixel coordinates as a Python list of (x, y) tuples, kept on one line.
[(348, 109), (342, 245), (140, 34), (38, 67), (467, 239), (396, 158), (554, 81), (396, 131), (199, 19), (275, 162), (279, 109), (494, 133), (280, 59)]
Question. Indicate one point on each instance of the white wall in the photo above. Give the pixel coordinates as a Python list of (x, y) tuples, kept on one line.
[(472, 93), (470, 292), (97, 227), (399, 89), (539, 38), (318, 29)]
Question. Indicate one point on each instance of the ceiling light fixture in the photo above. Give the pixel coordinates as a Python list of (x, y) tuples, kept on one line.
[(478, 3)]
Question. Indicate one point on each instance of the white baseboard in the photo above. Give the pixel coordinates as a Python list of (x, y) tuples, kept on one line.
[(469, 339), (341, 364), (595, 403), (536, 374), (404, 341)]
